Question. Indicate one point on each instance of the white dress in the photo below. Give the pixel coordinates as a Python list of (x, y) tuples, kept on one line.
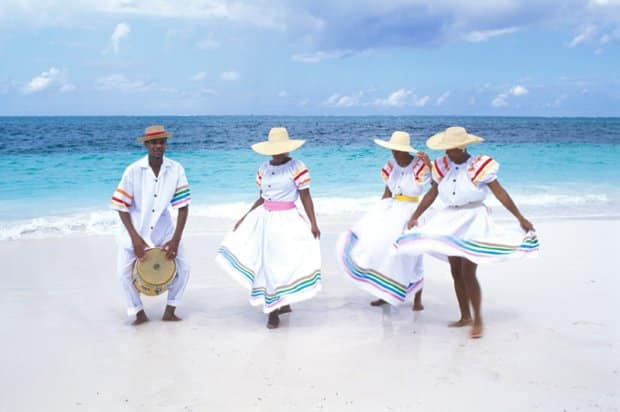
[(273, 253), (365, 252), (464, 227)]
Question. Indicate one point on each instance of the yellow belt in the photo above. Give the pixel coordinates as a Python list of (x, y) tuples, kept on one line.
[(404, 198)]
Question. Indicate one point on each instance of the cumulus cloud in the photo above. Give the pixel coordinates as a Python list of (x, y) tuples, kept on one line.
[(338, 100), (121, 83), (199, 76), (519, 90), (421, 101), (231, 75), (395, 99), (121, 31), (442, 99), (50, 78), (321, 55), (500, 100), (477, 36)]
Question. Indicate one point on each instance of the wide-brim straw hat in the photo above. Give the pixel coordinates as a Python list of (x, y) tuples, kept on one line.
[(400, 141), (154, 132), (278, 142), (452, 138)]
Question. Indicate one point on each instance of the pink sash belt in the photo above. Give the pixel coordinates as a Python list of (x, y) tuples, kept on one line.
[(277, 206)]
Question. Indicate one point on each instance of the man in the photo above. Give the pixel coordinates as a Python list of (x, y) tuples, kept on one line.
[(149, 188)]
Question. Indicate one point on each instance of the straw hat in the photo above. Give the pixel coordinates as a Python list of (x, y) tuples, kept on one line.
[(452, 138), (400, 141), (278, 142), (154, 132)]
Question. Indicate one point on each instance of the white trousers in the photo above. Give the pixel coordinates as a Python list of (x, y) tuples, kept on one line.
[(126, 258)]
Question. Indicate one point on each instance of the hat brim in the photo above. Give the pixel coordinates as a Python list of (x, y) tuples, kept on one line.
[(436, 141), (397, 147), (164, 135), (275, 148)]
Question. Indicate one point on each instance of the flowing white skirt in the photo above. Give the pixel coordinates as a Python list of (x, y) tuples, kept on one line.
[(275, 256), (469, 232), (366, 254)]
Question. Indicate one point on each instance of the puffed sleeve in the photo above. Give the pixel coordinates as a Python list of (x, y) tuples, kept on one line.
[(421, 173), (483, 170), (386, 170), (301, 176), (122, 198), (182, 195), (440, 168)]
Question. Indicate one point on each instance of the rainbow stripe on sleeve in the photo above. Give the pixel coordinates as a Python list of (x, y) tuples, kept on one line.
[(121, 200), (181, 197)]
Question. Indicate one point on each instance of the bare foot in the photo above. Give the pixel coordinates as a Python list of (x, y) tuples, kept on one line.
[(285, 309), (140, 318), (417, 306), (169, 315), (378, 302), (476, 330), (273, 321), (460, 323)]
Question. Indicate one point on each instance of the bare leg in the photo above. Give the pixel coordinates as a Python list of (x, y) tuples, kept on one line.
[(140, 318), (285, 309), (378, 302), (475, 295), (273, 321), (417, 301), (169, 314), (461, 291)]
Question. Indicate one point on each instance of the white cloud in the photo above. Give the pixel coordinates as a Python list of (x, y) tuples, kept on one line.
[(283, 93), (395, 99), (500, 100), (421, 101), (206, 91), (337, 100), (42, 81), (122, 83), (120, 31), (67, 87), (442, 99), (477, 36), (586, 34), (199, 76), (321, 55), (519, 90), (231, 75)]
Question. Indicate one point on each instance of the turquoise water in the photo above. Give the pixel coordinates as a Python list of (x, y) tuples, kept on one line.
[(62, 171)]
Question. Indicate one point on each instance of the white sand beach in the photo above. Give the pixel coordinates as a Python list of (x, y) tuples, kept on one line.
[(552, 336)]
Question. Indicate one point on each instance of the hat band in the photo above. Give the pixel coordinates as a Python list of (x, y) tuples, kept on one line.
[(154, 133)]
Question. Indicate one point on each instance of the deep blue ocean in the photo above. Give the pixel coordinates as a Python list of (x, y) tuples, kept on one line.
[(59, 172)]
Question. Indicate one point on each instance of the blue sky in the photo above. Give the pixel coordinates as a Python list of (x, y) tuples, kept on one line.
[(393, 57)]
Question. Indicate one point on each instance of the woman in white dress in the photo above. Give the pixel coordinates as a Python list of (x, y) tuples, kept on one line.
[(365, 252), (273, 249), (463, 232)]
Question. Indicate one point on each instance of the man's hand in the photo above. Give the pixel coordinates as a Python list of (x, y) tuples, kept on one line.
[(171, 248), (139, 246)]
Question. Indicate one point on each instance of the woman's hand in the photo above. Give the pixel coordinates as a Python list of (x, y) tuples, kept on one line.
[(424, 157), (526, 224), (315, 231), (412, 222)]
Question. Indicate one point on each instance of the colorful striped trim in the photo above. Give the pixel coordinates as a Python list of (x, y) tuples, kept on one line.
[(419, 170), (387, 170), (371, 277), (181, 197), (246, 272), (440, 168), (259, 178), (480, 167), (121, 200), (471, 248), (300, 285)]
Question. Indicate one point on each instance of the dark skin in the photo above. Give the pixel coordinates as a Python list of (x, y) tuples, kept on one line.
[(306, 200), (156, 149), (463, 270), (403, 159)]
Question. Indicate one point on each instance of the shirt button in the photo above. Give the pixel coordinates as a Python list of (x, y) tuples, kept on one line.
[(151, 227), (153, 210), (273, 173), (454, 193), (454, 180), (156, 180), (268, 185), (155, 195)]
